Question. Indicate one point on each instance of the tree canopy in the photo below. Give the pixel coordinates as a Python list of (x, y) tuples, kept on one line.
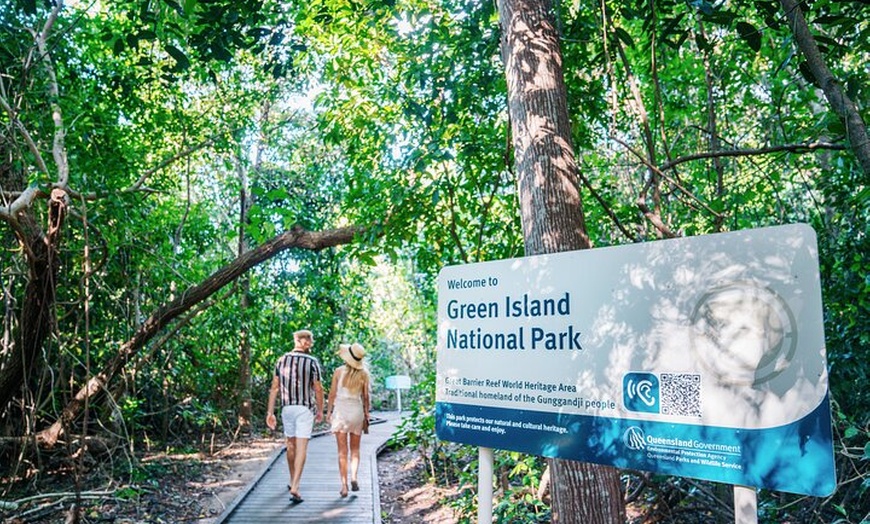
[(370, 144)]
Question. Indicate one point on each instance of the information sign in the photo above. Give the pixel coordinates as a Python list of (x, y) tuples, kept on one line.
[(398, 382), (701, 357)]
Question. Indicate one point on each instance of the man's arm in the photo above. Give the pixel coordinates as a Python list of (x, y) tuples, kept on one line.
[(270, 407), (318, 393)]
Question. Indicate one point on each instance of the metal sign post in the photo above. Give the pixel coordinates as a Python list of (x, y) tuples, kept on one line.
[(484, 485), (745, 505)]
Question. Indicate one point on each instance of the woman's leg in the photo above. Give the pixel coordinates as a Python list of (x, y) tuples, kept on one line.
[(341, 440), (354, 459)]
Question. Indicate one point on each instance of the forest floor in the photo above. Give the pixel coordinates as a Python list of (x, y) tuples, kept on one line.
[(196, 488), (406, 495)]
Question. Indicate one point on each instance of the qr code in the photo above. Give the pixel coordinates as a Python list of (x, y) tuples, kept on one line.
[(681, 394)]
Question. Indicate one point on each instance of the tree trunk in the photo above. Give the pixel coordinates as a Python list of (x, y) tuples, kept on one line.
[(843, 106), (245, 202), (552, 212), (36, 319), (584, 492), (295, 238), (546, 170), (245, 402)]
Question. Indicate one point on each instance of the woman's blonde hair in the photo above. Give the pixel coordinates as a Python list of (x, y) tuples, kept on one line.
[(354, 379)]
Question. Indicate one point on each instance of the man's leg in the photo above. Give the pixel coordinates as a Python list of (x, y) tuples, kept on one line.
[(298, 463), (291, 459), (298, 422)]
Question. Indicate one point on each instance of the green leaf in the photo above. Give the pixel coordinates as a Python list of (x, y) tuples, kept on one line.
[(220, 52), (29, 6), (277, 194), (702, 42), (750, 34), (623, 35), (807, 73), (181, 60), (189, 7), (836, 126), (118, 46)]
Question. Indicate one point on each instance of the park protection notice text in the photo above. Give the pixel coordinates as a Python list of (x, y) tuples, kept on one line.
[(700, 357)]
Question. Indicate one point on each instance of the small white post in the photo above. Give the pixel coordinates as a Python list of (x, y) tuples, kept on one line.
[(745, 505), (484, 485), (399, 396)]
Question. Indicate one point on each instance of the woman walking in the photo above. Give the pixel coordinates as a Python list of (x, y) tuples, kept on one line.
[(349, 410)]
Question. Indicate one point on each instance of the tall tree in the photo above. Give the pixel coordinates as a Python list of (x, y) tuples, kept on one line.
[(39, 245), (551, 208)]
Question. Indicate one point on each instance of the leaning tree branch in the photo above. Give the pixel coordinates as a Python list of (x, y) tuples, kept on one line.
[(843, 106), (295, 238)]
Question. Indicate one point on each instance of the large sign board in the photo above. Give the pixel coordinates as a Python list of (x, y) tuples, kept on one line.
[(701, 357)]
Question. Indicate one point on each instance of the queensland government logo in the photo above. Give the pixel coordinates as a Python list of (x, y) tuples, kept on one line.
[(634, 438)]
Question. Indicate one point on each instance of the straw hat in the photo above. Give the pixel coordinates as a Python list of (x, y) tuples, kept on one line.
[(352, 354)]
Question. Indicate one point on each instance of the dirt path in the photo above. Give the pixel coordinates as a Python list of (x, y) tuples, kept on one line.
[(406, 496)]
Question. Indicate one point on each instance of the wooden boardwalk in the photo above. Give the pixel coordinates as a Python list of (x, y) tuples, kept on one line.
[(267, 500)]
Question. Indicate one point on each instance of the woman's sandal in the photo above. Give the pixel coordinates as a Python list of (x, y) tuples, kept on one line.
[(343, 491), (354, 485), (294, 497)]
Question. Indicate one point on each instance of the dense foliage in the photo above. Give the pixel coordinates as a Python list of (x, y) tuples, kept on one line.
[(187, 133)]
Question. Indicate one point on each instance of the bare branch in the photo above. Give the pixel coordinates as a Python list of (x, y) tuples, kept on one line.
[(660, 172), (656, 220), (31, 144), (26, 197), (607, 209), (23, 201), (166, 162), (790, 148), (59, 147)]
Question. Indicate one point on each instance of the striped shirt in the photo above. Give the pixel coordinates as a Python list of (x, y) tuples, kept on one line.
[(297, 372)]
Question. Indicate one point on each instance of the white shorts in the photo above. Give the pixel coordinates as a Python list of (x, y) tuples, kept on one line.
[(298, 421)]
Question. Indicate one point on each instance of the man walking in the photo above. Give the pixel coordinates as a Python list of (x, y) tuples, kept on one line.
[(298, 380)]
